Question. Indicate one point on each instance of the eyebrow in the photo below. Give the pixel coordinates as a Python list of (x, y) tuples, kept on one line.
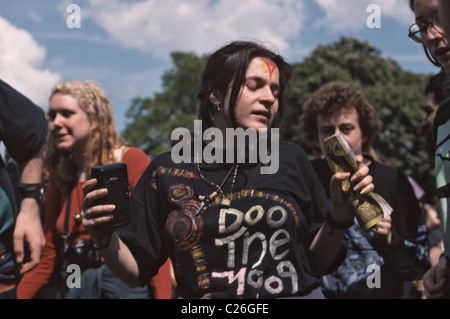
[(261, 79), (326, 126)]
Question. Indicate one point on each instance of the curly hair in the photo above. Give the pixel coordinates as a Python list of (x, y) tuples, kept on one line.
[(330, 98), (95, 103)]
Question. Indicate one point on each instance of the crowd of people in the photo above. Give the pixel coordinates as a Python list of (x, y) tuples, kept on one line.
[(224, 229)]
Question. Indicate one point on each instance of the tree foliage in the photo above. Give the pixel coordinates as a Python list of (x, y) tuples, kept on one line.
[(152, 120), (397, 95)]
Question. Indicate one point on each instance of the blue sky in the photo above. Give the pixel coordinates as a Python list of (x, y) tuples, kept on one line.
[(126, 45)]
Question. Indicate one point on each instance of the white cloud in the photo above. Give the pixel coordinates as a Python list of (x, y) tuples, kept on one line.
[(352, 14), (164, 26), (21, 58)]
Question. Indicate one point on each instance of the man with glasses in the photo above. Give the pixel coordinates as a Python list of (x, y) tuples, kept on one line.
[(419, 33), (428, 30)]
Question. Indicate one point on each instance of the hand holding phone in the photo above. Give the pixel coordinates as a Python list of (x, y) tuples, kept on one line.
[(114, 177)]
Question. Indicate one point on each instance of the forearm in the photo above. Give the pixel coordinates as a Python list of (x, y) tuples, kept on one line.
[(31, 171), (326, 246), (28, 224), (31, 174), (120, 261)]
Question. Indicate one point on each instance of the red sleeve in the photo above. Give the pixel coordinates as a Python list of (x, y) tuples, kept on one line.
[(137, 161), (33, 281), (162, 282)]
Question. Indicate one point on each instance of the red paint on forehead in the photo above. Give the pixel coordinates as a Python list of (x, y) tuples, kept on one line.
[(271, 66)]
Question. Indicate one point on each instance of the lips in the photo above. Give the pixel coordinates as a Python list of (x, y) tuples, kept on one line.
[(262, 113), (59, 136)]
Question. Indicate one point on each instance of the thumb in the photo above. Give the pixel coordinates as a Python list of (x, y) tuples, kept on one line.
[(18, 248)]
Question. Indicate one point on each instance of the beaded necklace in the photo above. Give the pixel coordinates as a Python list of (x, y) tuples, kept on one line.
[(206, 200)]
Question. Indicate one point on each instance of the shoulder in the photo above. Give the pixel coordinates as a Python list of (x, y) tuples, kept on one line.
[(385, 176), (442, 113), (136, 160), (133, 151), (377, 168), (133, 154), (291, 148), (293, 155), (320, 164), (293, 158), (163, 159)]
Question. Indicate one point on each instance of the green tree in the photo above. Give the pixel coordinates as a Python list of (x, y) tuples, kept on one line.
[(397, 95), (152, 120)]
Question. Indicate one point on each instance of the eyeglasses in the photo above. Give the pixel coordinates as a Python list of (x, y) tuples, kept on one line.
[(418, 31)]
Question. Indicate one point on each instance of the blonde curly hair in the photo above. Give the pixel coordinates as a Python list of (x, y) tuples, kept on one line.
[(95, 103)]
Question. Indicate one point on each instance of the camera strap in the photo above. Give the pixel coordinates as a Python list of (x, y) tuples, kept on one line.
[(66, 232)]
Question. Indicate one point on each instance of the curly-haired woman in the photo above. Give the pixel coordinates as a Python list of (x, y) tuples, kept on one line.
[(82, 135)]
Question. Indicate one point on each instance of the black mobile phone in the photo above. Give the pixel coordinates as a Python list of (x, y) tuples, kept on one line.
[(114, 177)]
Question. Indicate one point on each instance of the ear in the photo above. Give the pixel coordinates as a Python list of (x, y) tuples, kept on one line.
[(215, 98)]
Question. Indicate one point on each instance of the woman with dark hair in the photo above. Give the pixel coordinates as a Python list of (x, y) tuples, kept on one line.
[(228, 66), (230, 231)]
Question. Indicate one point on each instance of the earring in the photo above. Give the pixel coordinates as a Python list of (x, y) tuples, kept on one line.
[(218, 108)]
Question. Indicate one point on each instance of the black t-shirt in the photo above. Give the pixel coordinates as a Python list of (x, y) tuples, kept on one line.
[(255, 248), (23, 127)]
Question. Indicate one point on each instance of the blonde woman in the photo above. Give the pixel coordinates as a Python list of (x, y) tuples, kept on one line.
[(82, 135)]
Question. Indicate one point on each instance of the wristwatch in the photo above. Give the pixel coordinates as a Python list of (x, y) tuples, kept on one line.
[(35, 191)]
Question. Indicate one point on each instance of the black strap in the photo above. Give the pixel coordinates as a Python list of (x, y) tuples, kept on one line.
[(66, 233), (444, 191)]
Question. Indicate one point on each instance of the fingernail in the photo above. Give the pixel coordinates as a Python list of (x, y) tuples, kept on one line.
[(364, 191)]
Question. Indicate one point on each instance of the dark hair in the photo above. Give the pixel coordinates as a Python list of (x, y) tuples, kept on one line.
[(228, 66), (439, 84), (334, 96), (425, 49)]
